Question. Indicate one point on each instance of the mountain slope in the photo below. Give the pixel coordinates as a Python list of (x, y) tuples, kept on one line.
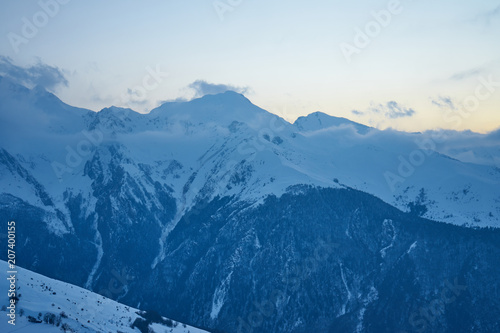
[(64, 307), (325, 258)]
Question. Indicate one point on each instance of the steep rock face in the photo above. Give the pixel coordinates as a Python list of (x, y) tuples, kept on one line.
[(122, 216), (40, 249), (125, 214)]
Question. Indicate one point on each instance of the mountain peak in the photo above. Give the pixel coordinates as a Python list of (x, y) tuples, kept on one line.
[(16, 91), (115, 110), (223, 108), (227, 97), (319, 120), (10, 86)]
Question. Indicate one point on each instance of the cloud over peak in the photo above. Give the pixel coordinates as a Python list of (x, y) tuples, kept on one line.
[(202, 88), (39, 74)]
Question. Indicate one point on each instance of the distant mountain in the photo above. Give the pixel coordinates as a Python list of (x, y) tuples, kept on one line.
[(320, 121), (211, 135), (230, 218), (47, 305)]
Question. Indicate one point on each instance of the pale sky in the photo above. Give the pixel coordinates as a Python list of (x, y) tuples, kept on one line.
[(421, 61)]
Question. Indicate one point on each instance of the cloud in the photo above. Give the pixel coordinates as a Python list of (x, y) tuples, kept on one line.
[(203, 88), (444, 103), (390, 110), (467, 146), (175, 100), (136, 96), (494, 12), (39, 74), (393, 110), (489, 15), (467, 74)]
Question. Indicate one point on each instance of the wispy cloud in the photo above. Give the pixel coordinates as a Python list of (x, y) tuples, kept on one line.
[(203, 88), (39, 74), (444, 103), (136, 97), (467, 74), (489, 15), (469, 146), (380, 114), (393, 110), (175, 100)]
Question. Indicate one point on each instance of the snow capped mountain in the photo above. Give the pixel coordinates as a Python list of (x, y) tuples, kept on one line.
[(36, 110), (218, 134), (320, 121), (212, 204), (55, 306)]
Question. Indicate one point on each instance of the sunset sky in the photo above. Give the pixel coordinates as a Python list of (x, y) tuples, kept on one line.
[(410, 65)]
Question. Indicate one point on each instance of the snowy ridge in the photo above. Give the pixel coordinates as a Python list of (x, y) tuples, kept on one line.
[(386, 224), (219, 296), (74, 308), (100, 253), (223, 145)]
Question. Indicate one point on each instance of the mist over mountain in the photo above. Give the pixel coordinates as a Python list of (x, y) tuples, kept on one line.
[(230, 218)]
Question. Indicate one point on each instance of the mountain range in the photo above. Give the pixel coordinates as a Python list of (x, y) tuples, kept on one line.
[(219, 214)]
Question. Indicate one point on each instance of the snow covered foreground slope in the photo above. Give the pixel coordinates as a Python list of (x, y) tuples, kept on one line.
[(84, 311), (224, 145)]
